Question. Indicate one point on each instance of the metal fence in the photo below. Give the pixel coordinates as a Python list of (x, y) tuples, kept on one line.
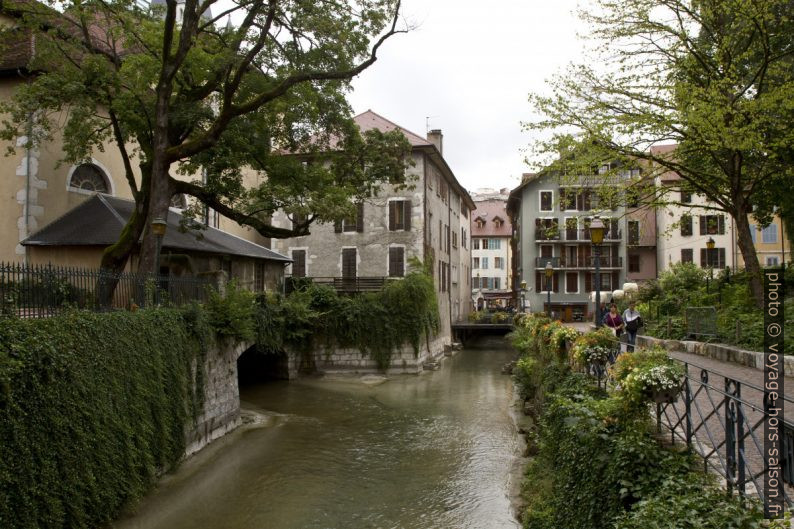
[(701, 322), (34, 291), (722, 419), (346, 285)]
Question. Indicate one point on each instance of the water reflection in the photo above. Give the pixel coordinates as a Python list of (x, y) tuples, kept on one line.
[(433, 451)]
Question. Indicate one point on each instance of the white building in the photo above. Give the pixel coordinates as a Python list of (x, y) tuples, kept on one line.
[(491, 232)]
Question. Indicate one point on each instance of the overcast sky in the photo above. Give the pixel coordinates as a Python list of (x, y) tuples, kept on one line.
[(469, 66)]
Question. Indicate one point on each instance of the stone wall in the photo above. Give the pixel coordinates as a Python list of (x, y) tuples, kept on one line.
[(221, 413), (352, 361), (717, 351)]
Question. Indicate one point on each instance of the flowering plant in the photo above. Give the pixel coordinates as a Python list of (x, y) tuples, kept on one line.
[(645, 373), (603, 337), (563, 333), (594, 354)]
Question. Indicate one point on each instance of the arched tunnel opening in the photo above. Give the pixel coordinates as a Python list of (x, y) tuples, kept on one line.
[(255, 367)]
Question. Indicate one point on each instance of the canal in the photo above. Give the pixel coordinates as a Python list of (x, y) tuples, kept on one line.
[(434, 451)]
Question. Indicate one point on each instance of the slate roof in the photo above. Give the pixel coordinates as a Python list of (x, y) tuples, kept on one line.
[(99, 220), (371, 120)]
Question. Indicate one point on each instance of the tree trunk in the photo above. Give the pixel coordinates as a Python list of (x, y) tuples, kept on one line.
[(159, 201), (746, 246), (115, 257)]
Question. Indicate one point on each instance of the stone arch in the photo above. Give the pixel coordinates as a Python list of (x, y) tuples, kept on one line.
[(89, 178)]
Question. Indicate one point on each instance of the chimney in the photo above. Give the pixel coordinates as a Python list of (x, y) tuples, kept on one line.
[(436, 138), (504, 191)]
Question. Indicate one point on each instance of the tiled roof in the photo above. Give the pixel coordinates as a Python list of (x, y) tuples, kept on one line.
[(488, 210), (99, 220), (370, 120), (661, 150)]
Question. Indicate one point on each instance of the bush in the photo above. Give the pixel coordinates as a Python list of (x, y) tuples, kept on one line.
[(232, 315)]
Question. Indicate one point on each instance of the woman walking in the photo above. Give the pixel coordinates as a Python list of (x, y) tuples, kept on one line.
[(613, 320), (633, 321)]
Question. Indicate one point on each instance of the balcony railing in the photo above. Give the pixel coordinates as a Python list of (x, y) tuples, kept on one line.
[(556, 234), (579, 262), (340, 284)]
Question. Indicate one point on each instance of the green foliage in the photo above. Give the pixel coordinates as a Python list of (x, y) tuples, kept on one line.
[(404, 312), (92, 408), (231, 314)]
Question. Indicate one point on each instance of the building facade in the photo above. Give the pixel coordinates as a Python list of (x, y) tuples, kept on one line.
[(684, 230), (552, 226), (771, 243), (491, 231), (428, 221)]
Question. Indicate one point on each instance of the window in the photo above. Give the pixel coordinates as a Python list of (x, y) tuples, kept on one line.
[(712, 258), (567, 199), (298, 263), (571, 226), (447, 237), (686, 255), (712, 224), (634, 263), (475, 244), (179, 201), (298, 220), (686, 225), (89, 177), (463, 237), (349, 262), (476, 263), (484, 262), (634, 232), (454, 239), (354, 223), (572, 283), (399, 215), (396, 261), (686, 197), (494, 244), (499, 262), (542, 284), (475, 282), (454, 274), (440, 235), (769, 234), (259, 276), (497, 283), (753, 234), (546, 200), (584, 200), (771, 261)]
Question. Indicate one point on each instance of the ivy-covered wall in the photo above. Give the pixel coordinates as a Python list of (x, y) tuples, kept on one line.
[(92, 407)]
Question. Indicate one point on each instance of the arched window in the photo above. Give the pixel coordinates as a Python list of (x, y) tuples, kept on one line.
[(179, 201), (91, 178)]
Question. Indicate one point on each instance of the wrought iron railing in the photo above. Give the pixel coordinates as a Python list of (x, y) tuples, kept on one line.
[(579, 262), (341, 284), (34, 291), (722, 419)]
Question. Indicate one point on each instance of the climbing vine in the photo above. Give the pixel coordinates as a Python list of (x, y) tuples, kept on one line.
[(92, 408)]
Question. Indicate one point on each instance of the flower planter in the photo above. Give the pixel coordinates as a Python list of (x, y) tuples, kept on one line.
[(666, 396)]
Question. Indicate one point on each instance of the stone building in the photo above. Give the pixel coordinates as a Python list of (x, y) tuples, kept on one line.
[(491, 231), (429, 221)]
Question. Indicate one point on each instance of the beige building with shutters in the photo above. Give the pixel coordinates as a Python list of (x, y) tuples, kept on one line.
[(429, 221)]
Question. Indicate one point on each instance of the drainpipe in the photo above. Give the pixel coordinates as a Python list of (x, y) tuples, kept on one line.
[(28, 156)]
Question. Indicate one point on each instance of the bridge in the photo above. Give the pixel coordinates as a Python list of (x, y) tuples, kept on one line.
[(464, 331)]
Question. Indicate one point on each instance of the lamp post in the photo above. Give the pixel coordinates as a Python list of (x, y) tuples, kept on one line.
[(523, 295), (709, 247), (158, 229), (549, 272), (597, 237)]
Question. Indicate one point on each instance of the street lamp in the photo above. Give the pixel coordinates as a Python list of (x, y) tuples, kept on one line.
[(709, 247), (549, 272), (523, 295), (597, 237), (158, 229)]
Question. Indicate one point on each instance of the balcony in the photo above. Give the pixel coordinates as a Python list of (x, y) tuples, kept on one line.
[(544, 234), (578, 263), (340, 284)]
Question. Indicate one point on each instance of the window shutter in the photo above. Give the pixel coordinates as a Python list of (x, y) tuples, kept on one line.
[(360, 217), (407, 215), (588, 282), (555, 282), (721, 224), (396, 261), (703, 226), (721, 257), (392, 215), (538, 287), (704, 257), (338, 226)]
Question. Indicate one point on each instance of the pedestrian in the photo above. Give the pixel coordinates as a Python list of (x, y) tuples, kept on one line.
[(633, 321), (613, 320)]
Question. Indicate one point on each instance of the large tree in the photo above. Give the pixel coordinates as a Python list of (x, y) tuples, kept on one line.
[(712, 76), (195, 101)]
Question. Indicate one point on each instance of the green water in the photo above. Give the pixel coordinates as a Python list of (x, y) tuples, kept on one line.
[(434, 451)]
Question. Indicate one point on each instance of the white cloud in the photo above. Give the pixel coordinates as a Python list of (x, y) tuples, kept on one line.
[(469, 66)]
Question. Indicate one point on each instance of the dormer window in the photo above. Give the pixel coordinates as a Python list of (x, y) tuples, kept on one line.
[(498, 221)]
